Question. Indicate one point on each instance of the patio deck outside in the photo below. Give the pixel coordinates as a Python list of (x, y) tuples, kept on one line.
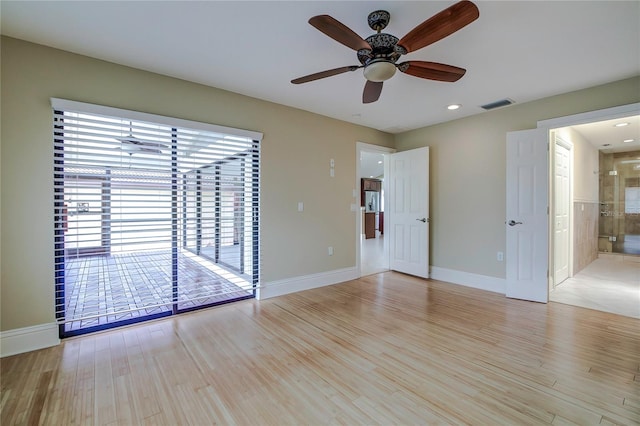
[(104, 289)]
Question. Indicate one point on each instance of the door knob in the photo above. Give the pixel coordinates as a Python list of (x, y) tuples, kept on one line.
[(423, 220), (514, 223)]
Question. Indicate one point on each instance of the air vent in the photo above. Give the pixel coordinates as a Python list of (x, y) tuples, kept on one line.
[(497, 104)]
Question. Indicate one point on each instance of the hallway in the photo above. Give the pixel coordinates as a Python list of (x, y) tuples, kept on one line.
[(611, 284)]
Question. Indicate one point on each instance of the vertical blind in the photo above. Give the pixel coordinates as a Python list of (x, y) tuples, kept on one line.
[(152, 214)]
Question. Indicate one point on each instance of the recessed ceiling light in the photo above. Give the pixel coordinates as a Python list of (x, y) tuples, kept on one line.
[(628, 140), (453, 107), (621, 124), (379, 162)]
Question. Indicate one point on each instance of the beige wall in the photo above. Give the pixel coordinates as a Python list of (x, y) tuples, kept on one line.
[(296, 150), (467, 172)]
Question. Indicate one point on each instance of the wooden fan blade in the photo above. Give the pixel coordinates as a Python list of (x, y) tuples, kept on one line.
[(432, 70), (372, 90), (324, 74), (440, 26), (339, 32)]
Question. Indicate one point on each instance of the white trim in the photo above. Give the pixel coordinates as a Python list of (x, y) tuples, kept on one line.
[(467, 279), (591, 116), (73, 106), (306, 282), (27, 339)]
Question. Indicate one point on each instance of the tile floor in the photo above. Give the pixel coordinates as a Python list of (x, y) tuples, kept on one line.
[(611, 284), (372, 260), (107, 289)]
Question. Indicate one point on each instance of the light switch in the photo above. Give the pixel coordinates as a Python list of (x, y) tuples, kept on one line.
[(300, 206)]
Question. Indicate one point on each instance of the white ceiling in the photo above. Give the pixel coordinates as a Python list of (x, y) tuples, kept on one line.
[(518, 50), (619, 135)]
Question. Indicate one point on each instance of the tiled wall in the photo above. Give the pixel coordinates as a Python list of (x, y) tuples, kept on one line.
[(585, 234)]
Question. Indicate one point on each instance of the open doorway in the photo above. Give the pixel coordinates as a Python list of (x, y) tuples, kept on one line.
[(371, 246), (603, 211)]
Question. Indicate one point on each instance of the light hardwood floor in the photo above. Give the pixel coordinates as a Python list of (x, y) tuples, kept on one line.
[(384, 349)]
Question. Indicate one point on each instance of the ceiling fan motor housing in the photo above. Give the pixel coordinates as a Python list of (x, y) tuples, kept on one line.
[(382, 47)]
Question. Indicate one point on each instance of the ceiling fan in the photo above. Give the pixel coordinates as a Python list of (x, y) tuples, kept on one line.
[(379, 52), (132, 144)]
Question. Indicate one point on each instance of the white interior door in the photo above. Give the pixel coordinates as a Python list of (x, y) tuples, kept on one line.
[(527, 215), (409, 212), (561, 212)]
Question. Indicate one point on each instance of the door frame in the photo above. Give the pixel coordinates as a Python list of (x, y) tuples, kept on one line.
[(552, 124), (355, 207)]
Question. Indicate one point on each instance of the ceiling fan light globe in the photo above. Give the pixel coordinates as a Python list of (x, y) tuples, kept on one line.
[(380, 70)]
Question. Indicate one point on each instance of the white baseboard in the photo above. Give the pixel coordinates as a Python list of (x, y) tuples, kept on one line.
[(13, 342), (482, 282), (306, 282)]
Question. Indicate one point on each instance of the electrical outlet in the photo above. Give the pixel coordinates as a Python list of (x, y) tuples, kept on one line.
[(330, 251), (300, 206), (500, 256)]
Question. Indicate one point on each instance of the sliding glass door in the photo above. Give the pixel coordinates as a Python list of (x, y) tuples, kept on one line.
[(151, 220)]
